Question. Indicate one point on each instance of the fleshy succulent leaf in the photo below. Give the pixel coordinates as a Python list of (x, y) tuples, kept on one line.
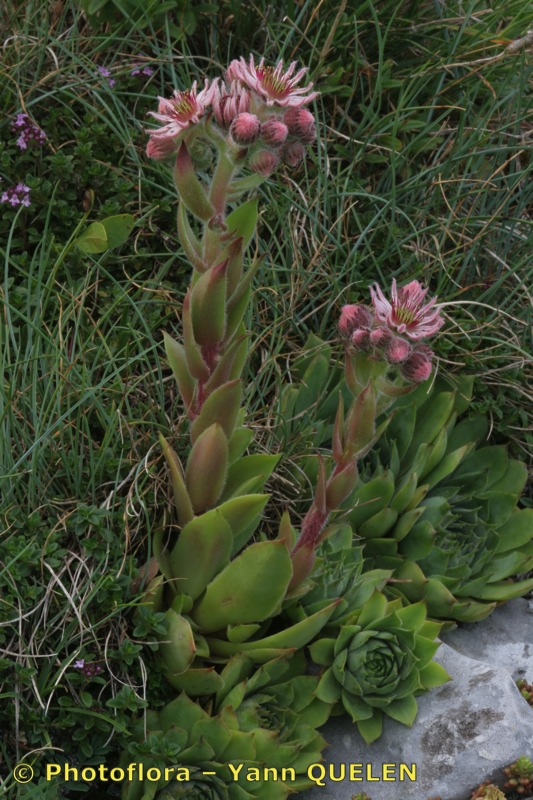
[(202, 550), (239, 594)]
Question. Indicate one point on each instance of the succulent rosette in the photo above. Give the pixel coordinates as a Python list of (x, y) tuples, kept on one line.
[(378, 663), (338, 576), (280, 697), (204, 757), (439, 506)]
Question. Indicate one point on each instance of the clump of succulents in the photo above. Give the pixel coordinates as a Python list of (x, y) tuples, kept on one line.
[(378, 662), (189, 754), (519, 776), (439, 506), (241, 604), (434, 502), (225, 588)]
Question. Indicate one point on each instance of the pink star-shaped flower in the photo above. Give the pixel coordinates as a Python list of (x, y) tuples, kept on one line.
[(406, 313), (272, 84), (182, 110)]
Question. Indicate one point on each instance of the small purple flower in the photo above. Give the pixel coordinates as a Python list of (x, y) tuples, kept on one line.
[(105, 73), (88, 670), (144, 71), (17, 195), (28, 131)]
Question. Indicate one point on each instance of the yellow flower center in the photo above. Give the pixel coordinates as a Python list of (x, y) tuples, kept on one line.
[(185, 105), (405, 316), (273, 83)]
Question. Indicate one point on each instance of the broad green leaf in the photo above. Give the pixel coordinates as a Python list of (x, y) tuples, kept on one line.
[(370, 729), (404, 710), (243, 220), (177, 649), (118, 229), (202, 550), (328, 689), (433, 675), (94, 239), (196, 682), (247, 468), (517, 530), (250, 589)]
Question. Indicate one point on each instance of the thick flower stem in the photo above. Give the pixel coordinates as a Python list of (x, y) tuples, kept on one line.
[(218, 193), (316, 518), (218, 197)]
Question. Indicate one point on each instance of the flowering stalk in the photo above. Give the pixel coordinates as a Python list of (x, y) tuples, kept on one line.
[(387, 337), (212, 587)]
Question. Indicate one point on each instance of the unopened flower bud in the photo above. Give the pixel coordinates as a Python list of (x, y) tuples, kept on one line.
[(361, 339), (417, 368), (226, 105), (264, 162), (293, 154), (352, 318), (300, 123), (245, 128), (161, 148), (380, 337), (398, 350), (274, 132)]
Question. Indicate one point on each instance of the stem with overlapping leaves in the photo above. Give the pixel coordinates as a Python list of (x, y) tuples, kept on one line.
[(385, 358), (219, 588)]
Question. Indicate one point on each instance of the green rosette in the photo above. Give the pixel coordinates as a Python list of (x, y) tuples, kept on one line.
[(378, 663)]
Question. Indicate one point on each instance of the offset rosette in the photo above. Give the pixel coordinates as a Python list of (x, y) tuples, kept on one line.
[(204, 757), (378, 663)]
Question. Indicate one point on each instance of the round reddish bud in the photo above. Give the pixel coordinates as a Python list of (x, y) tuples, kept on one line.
[(398, 351), (380, 337), (293, 153), (265, 162), (160, 148), (300, 122), (352, 318), (274, 132), (245, 128), (417, 368), (309, 137), (360, 339)]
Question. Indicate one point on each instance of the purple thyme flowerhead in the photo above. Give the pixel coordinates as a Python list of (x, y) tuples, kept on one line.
[(105, 73), (18, 195), (27, 131), (87, 669)]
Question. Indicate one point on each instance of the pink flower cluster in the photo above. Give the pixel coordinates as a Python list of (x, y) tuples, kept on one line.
[(27, 131), (394, 329), (256, 106), (18, 195)]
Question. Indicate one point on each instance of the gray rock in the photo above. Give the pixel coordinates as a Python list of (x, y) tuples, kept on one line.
[(505, 639), (465, 732)]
